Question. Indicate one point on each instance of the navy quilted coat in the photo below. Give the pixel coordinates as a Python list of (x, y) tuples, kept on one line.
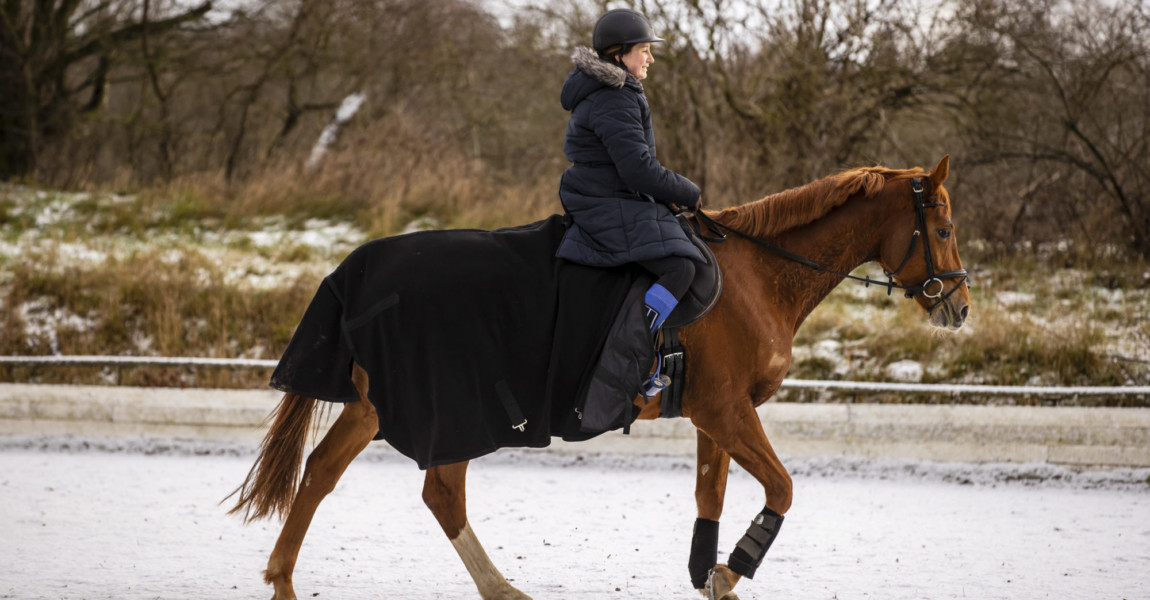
[(616, 193)]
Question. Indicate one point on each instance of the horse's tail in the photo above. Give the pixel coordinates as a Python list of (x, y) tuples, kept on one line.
[(271, 484)]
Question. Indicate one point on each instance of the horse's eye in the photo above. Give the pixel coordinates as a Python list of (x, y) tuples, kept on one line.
[(944, 233)]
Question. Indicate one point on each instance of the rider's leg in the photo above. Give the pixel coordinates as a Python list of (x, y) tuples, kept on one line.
[(675, 274)]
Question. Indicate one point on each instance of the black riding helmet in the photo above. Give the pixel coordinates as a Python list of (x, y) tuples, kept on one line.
[(621, 26)]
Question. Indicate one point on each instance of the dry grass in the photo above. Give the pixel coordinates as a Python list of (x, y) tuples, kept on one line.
[(155, 273), (164, 282), (146, 304), (1030, 325), (380, 187)]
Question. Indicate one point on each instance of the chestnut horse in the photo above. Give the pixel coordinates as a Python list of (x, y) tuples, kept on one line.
[(738, 356)]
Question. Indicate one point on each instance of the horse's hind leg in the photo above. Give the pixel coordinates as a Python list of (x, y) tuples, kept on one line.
[(444, 492), (741, 435), (355, 427)]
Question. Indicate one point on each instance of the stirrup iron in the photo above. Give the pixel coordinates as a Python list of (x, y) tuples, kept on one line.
[(655, 386)]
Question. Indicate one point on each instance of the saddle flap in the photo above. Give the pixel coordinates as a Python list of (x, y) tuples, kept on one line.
[(705, 288)]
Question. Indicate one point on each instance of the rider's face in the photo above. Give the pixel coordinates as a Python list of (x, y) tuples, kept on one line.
[(638, 59)]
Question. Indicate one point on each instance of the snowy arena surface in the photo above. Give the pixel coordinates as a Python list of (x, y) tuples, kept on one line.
[(141, 519)]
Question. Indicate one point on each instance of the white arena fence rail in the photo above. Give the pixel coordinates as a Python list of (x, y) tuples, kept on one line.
[(122, 362), (125, 362)]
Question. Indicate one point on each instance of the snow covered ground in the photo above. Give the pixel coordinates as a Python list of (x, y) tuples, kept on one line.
[(129, 520)]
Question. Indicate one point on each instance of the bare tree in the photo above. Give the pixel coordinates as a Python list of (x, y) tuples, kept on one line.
[(1064, 87), (55, 57), (812, 82)]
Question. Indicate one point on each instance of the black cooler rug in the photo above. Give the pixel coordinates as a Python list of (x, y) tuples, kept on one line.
[(472, 340)]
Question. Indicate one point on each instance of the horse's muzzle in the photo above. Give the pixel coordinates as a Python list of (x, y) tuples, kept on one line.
[(951, 314)]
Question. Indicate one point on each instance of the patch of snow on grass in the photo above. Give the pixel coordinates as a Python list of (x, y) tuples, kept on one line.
[(81, 254), (43, 322), (422, 224), (908, 371), (1011, 299), (67, 254), (262, 275), (832, 352), (333, 236), (326, 234)]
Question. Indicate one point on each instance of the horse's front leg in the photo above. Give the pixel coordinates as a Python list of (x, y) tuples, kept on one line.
[(444, 492), (710, 489), (739, 433)]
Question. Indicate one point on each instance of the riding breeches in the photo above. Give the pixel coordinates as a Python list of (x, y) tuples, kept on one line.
[(675, 273)]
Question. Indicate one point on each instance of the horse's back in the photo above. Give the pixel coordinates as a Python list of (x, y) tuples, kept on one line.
[(465, 335)]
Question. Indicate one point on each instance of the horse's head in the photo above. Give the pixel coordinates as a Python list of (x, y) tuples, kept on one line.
[(920, 251)]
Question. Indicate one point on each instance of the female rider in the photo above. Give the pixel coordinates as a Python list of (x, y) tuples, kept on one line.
[(616, 194)]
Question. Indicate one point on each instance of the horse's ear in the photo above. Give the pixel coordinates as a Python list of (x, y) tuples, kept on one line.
[(941, 170)]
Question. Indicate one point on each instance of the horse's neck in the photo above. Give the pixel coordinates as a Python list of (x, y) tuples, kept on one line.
[(846, 238)]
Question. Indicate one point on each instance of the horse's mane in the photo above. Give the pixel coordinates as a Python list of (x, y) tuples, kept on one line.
[(780, 212)]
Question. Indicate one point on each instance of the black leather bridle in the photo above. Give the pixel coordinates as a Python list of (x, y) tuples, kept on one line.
[(920, 231)]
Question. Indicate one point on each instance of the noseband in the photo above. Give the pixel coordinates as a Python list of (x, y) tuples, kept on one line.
[(932, 278), (911, 291)]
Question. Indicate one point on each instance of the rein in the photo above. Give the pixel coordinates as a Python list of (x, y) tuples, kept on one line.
[(910, 290)]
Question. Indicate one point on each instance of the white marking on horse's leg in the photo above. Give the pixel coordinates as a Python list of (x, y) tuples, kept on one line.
[(703, 470), (719, 586), (491, 583)]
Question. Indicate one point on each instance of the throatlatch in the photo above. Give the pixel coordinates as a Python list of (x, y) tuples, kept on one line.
[(704, 551), (749, 552)]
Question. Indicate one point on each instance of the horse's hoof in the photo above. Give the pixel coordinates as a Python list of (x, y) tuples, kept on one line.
[(718, 586)]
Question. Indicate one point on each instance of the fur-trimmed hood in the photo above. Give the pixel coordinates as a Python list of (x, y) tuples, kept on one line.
[(592, 73), (586, 60)]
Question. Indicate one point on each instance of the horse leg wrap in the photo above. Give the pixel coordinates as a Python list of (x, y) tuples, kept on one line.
[(749, 552), (704, 551)]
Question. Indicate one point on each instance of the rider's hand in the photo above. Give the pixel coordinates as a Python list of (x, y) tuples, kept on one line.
[(676, 209)]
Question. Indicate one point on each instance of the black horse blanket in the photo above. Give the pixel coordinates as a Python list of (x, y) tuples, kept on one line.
[(472, 340)]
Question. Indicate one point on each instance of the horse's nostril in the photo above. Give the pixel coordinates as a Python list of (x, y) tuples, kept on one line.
[(964, 312)]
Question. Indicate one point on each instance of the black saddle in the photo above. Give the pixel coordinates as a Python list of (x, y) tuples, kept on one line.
[(629, 352), (705, 288)]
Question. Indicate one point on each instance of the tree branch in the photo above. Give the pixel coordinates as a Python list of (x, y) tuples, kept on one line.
[(41, 18), (8, 33), (98, 81), (63, 14), (97, 42)]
